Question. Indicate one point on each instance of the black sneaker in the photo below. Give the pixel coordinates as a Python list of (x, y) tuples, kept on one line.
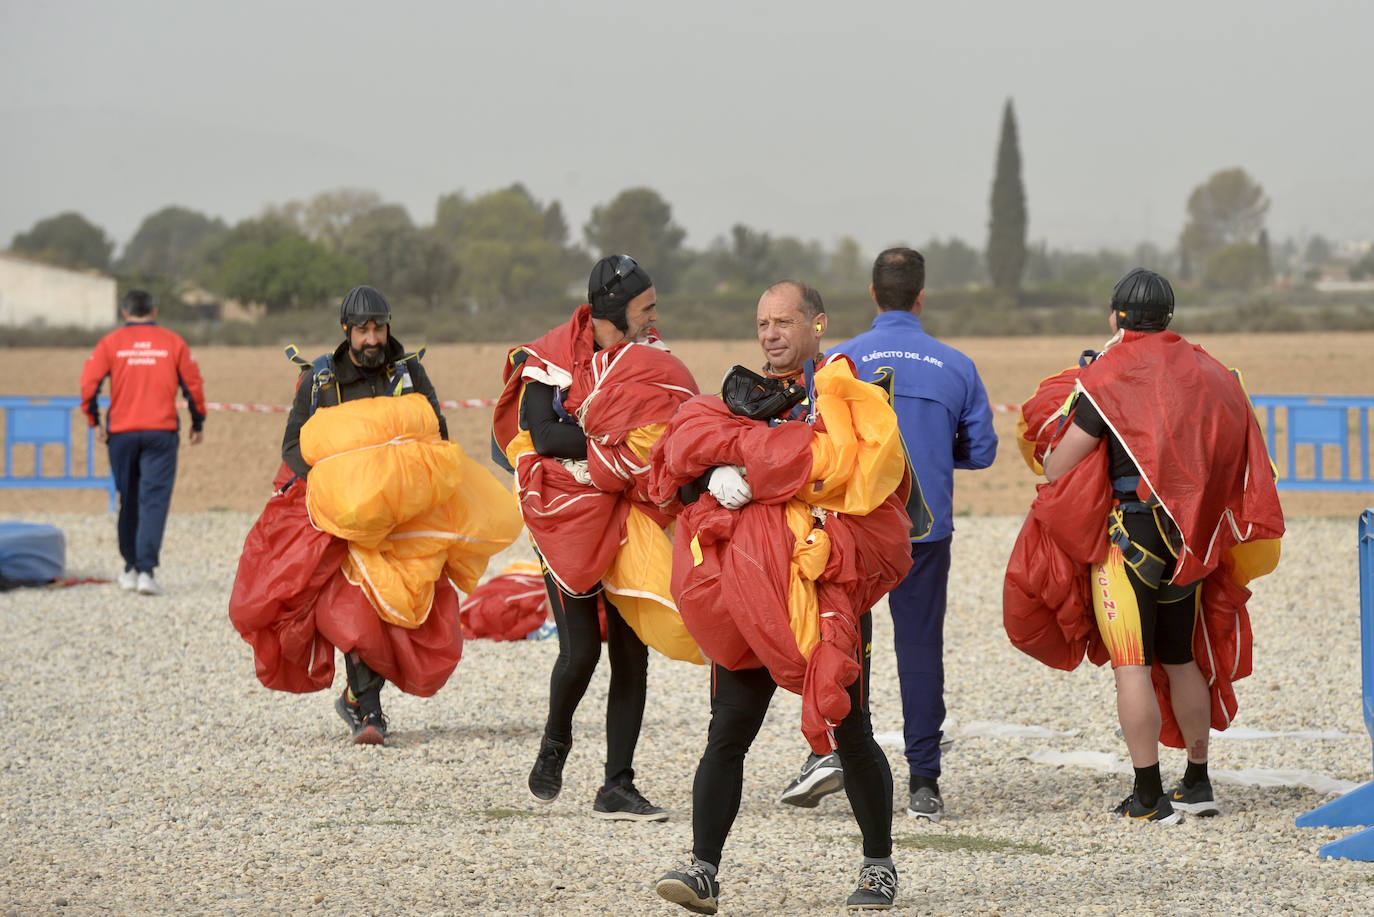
[(877, 889), (1196, 799), (623, 803), (1162, 811), (820, 776), (693, 887), (925, 803), (546, 777), (372, 729), (349, 712)]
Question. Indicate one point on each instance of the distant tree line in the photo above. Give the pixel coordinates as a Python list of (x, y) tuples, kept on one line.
[(483, 255)]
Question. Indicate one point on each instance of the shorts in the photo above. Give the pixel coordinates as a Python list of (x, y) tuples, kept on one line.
[(1140, 621)]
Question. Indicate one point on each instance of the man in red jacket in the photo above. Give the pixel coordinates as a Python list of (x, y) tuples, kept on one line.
[(146, 364)]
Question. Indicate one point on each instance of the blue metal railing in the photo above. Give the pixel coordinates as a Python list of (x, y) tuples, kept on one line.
[(1316, 422), (1357, 806), (38, 421)]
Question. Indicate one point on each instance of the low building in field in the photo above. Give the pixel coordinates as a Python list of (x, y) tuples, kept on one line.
[(35, 294)]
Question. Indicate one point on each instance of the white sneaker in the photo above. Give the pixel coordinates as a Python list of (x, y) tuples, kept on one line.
[(147, 585), (128, 580)]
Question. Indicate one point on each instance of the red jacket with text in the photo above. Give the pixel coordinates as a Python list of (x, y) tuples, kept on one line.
[(146, 364)]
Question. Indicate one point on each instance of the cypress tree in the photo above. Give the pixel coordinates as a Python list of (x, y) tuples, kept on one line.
[(1006, 252)]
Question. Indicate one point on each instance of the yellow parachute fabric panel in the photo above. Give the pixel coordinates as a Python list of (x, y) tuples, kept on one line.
[(641, 439), (398, 575), (412, 507), (810, 552), (638, 583), (1251, 559), (522, 443), (376, 463), (486, 520), (857, 462)]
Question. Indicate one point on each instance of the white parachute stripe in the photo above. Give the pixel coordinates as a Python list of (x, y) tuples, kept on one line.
[(556, 376), (665, 601), (394, 441), (560, 504), (375, 597)]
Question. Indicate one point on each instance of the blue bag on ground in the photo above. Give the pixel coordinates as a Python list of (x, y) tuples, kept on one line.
[(31, 553)]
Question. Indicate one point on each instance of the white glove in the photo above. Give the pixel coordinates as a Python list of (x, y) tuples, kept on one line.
[(578, 469), (728, 486)]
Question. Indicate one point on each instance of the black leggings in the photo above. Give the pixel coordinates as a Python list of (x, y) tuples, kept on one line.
[(739, 702), (579, 650)]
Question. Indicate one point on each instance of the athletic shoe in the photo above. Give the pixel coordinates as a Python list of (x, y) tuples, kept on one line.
[(1162, 811), (349, 712), (692, 887), (128, 580), (372, 730), (820, 776), (147, 585), (1196, 799), (546, 777), (925, 803), (877, 889), (624, 803)]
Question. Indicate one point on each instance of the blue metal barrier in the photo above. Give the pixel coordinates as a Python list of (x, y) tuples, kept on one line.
[(1357, 806), (1319, 421), (40, 421)]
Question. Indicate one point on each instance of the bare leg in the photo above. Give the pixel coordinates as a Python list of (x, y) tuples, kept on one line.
[(1138, 711), (1192, 704)]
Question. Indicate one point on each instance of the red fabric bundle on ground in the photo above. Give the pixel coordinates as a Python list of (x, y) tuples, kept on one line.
[(508, 606)]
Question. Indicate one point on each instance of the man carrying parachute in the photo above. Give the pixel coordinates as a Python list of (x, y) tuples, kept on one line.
[(795, 524), (375, 524), (581, 409), (1161, 507)]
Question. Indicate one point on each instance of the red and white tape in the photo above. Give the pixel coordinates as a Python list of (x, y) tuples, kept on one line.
[(282, 409), (446, 405)]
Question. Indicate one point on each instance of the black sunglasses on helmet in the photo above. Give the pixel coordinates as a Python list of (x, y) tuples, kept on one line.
[(624, 266)]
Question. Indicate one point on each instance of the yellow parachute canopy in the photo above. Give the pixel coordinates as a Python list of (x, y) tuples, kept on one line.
[(412, 506)]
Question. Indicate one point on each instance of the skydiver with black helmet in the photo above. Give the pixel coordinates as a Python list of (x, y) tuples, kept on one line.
[(369, 363), (532, 426), (1189, 479)]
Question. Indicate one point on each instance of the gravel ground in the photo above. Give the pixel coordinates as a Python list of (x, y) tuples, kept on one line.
[(147, 771)]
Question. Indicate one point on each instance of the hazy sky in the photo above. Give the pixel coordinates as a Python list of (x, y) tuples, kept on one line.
[(815, 119)]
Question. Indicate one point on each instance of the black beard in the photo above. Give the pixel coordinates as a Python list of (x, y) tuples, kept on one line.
[(369, 358)]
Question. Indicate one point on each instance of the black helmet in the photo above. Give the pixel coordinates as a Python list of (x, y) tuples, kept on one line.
[(362, 305), (1143, 301), (615, 280)]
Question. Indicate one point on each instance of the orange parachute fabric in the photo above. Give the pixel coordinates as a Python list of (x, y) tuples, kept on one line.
[(293, 605), (768, 585), (413, 507), (603, 530), (1230, 523), (300, 591)]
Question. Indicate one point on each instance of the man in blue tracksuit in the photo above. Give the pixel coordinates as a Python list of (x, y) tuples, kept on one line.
[(946, 421)]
